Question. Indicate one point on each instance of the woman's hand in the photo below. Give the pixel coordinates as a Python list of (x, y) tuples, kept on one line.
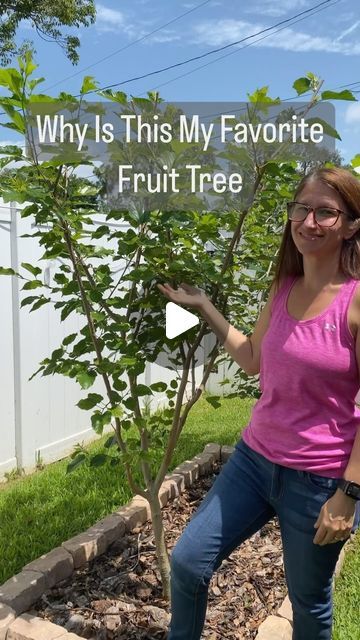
[(335, 520), (185, 294)]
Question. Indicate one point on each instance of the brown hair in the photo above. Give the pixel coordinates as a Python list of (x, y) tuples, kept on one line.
[(290, 261)]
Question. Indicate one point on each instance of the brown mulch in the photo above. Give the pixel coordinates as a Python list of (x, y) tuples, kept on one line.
[(118, 595)]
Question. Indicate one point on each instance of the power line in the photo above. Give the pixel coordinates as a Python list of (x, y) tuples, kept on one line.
[(250, 44), (311, 10), (130, 44), (323, 8), (208, 53), (292, 20)]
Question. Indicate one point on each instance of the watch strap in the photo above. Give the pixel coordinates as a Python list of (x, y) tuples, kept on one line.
[(350, 488)]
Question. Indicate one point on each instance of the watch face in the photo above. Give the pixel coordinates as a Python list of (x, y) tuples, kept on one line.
[(353, 490)]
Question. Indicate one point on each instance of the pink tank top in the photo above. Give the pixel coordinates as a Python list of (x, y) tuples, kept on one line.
[(306, 417)]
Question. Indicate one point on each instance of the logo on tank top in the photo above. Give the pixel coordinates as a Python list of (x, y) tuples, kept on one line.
[(329, 326)]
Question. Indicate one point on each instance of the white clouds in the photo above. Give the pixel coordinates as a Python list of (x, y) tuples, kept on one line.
[(109, 19), (114, 21), (215, 33), (219, 32), (278, 8), (165, 35)]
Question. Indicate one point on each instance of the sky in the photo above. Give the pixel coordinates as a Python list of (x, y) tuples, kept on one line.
[(326, 43)]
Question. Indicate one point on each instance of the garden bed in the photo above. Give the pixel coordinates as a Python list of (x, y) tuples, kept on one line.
[(118, 594)]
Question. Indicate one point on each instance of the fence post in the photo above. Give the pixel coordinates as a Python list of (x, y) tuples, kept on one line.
[(16, 335)]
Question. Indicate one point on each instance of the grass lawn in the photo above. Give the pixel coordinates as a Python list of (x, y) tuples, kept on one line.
[(39, 511)]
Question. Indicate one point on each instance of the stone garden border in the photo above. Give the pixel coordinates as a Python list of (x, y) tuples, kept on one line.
[(20, 592)]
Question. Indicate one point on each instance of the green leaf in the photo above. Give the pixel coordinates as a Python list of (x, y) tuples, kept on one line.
[(127, 361), (98, 316), (97, 423), (7, 272), (57, 353), (110, 442), (98, 460), (69, 339), (260, 96), (130, 403), (158, 386), (214, 401), (86, 379), (143, 103), (11, 79), (32, 284), (356, 161), (140, 422), (99, 420), (117, 412), (69, 308), (338, 95), (60, 278), (34, 83), (30, 267), (119, 385), (36, 372), (142, 390), (91, 401), (115, 96), (18, 121), (28, 300), (5, 161), (26, 63), (101, 231), (328, 130), (40, 303), (76, 462), (87, 190), (14, 195), (301, 85), (11, 150), (89, 84)]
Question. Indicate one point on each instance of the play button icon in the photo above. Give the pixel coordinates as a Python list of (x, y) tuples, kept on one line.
[(178, 320)]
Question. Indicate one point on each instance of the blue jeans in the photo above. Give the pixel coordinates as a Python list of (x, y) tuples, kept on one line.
[(248, 492)]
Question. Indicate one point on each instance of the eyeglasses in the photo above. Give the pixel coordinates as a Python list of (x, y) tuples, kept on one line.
[(324, 216)]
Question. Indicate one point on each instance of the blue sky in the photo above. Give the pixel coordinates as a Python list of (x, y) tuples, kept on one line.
[(327, 44)]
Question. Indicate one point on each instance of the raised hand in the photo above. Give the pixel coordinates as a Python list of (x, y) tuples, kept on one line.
[(185, 295)]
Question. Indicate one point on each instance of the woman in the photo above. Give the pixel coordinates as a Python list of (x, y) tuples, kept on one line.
[(303, 439)]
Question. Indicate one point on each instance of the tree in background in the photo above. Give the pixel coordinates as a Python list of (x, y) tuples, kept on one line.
[(47, 17)]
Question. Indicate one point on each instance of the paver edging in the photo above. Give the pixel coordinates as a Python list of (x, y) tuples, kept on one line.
[(7, 617), (59, 563), (29, 627), (18, 625)]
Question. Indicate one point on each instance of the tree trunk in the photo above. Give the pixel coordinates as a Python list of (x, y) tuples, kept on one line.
[(161, 550)]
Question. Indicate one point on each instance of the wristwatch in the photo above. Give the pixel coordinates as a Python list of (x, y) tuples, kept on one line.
[(351, 489)]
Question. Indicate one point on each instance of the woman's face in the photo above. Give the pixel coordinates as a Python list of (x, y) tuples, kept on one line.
[(309, 237)]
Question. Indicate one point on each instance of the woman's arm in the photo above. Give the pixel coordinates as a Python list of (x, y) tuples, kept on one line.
[(337, 515), (243, 349), (352, 471)]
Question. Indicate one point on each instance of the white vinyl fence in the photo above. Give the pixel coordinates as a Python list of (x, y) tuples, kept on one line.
[(39, 418)]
